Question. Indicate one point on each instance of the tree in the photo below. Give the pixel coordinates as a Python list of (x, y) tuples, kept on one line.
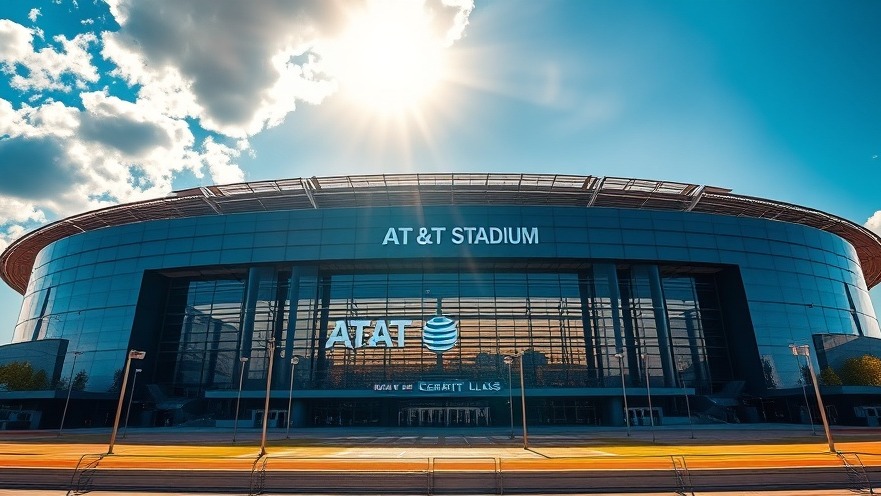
[(769, 373), (116, 385), (828, 377), (861, 371), (39, 381), (80, 380), (806, 378), (20, 376)]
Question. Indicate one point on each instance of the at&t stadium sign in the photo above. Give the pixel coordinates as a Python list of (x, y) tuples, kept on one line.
[(461, 235)]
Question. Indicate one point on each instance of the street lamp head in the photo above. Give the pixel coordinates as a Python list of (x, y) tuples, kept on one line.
[(295, 360), (138, 371), (619, 355), (243, 359), (508, 359)]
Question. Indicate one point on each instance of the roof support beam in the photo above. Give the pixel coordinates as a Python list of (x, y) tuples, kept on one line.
[(696, 197), (307, 188), (596, 191), (208, 194)]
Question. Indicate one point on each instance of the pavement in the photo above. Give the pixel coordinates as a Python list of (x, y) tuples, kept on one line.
[(775, 454)]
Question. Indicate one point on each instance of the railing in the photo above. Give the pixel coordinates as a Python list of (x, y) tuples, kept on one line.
[(856, 472), (81, 479)]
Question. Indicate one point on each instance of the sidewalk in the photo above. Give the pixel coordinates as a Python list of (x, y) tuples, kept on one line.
[(759, 455), (550, 448)]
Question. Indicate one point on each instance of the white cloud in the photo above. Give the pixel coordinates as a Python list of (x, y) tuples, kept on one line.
[(14, 214), (874, 223), (10, 233), (236, 68), (15, 43), (12, 210), (44, 69), (10, 120), (110, 151), (219, 160), (242, 67), (224, 69), (451, 18)]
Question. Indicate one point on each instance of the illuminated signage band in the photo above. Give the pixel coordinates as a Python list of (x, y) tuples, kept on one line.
[(459, 235), (449, 386)]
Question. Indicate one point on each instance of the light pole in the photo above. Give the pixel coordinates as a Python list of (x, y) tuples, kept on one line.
[(294, 361), (648, 389), (620, 357), (235, 426), (76, 354), (805, 350), (681, 368), (508, 361), (132, 355), (804, 392), (130, 398), (270, 349), (523, 403)]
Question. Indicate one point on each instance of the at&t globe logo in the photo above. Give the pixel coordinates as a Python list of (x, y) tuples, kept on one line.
[(440, 334)]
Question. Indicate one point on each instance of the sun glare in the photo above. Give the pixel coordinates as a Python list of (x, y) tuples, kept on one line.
[(388, 60)]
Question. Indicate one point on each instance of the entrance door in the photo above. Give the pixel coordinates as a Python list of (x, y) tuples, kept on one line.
[(459, 417), (444, 416)]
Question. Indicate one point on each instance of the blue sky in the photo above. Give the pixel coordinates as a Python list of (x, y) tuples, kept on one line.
[(103, 103)]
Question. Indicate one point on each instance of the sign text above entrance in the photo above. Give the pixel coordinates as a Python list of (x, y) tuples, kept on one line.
[(468, 235)]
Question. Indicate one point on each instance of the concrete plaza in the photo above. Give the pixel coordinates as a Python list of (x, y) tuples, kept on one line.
[(436, 460)]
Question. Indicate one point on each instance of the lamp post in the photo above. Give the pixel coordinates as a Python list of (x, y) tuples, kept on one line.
[(270, 350), (648, 389), (804, 392), (130, 398), (508, 361), (523, 403), (132, 355), (620, 357), (805, 351), (294, 361), (681, 368), (235, 426), (76, 355)]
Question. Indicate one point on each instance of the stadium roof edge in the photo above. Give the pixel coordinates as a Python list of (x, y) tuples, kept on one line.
[(16, 262)]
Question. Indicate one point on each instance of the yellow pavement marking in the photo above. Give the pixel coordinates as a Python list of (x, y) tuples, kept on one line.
[(373, 458)]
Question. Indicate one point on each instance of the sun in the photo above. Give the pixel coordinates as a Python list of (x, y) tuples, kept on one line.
[(388, 60)]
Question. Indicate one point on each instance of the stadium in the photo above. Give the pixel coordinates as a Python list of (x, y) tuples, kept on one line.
[(429, 299)]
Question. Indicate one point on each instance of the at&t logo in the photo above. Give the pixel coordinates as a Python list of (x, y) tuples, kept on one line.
[(440, 334)]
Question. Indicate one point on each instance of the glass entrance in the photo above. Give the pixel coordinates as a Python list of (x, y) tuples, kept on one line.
[(458, 416)]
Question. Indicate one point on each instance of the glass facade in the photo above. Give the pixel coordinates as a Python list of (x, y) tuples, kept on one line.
[(354, 331), (708, 299)]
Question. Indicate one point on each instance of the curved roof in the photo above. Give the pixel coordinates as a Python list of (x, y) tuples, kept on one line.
[(17, 261)]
